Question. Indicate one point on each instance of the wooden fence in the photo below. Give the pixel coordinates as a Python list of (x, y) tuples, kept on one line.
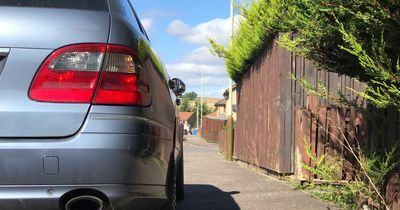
[(222, 141), (274, 111), (214, 131), (277, 119), (264, 119), (211, 129)]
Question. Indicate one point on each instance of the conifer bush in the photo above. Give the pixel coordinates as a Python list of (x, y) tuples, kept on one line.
[(358, 38)]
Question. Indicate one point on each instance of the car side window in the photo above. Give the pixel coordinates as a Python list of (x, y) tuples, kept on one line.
[(138, 20)]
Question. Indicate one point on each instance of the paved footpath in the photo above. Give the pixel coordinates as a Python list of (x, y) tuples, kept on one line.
[(212, 183)]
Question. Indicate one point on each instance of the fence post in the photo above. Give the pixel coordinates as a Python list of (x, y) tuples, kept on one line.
[(229, 138)]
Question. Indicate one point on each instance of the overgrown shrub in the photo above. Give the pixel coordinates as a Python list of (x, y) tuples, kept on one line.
[(367, 188), (352, 37), (358, 38), (258, 27)]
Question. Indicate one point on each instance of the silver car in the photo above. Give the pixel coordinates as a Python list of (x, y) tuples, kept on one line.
[(88, 116)]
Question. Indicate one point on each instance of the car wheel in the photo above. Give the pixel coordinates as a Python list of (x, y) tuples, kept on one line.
[(171, 190), (180, 183)]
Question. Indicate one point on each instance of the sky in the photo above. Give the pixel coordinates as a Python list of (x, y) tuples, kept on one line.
[(179, 32)]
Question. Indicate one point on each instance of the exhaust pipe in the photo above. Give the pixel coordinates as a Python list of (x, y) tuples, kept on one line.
[(86, 202)]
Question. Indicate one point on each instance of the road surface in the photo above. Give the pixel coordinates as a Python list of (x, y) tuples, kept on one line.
[(212, 183)]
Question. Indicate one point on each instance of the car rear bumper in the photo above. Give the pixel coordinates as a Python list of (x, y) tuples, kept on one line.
[(86, 159), (124, 157), (129, 168), (47, 197)]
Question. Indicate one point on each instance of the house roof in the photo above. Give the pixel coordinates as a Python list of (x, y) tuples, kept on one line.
[(212, 114), (226, 93), (221, 102), (185, 116)]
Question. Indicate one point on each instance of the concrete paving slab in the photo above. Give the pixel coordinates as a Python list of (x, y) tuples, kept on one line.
[(213, 183)]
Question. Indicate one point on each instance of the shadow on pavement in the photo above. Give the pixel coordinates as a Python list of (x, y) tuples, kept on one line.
[(207, 197)]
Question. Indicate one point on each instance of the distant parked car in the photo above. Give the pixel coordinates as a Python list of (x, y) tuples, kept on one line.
[(88, 118)]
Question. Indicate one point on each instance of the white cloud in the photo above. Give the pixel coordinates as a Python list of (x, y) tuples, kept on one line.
[(218, 29), (202, 55), (189, 66), (195, 68), (200, 61), (156, 13), (209, 83), (150, 19), (147, 23), (216, 93)]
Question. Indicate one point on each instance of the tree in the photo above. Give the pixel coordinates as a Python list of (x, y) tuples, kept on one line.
[(206, 109), (190, 96), (190, 103), (185, 105)]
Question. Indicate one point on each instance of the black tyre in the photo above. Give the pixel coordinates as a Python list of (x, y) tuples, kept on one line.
[(171, 190), (180, 183)]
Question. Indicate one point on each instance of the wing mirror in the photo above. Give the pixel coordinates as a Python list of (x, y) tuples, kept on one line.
[(178, 101), (177, 86)]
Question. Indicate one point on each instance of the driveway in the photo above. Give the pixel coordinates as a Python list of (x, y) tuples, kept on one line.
[(213, 183)]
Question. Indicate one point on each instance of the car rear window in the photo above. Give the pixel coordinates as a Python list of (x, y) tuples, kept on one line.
[(97, 5)]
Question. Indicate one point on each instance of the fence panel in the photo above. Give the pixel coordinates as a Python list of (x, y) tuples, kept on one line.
[(276, 118), (211, 129), (263, 135)]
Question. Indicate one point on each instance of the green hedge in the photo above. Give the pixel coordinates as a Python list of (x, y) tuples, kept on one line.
[(358, 38), (258, 27)]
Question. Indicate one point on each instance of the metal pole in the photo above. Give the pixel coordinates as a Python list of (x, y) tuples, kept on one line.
[(197, 115), (201, 101), (230, 80), (229, 125)]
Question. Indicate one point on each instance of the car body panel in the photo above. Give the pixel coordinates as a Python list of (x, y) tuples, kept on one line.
[(46, 28), (124, 152), (32, 34), (86, 159), (22, 117)]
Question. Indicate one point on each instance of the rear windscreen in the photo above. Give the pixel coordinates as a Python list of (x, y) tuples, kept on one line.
[(98, 5)]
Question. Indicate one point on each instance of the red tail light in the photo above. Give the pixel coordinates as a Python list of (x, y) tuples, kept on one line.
[(97, 73)]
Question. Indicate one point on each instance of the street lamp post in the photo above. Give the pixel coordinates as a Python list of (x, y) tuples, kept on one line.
[(197, 114), (200, 103), (230, 80), (229, 136)]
